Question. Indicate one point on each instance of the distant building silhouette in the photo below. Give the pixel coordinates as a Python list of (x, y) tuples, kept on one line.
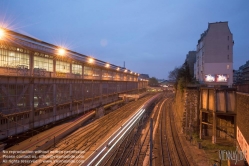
[(241, 76), (191, 59), (144, 76)]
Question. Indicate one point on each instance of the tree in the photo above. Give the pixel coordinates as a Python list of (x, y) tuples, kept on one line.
[(173, 74), (181, 75), (153, 82)]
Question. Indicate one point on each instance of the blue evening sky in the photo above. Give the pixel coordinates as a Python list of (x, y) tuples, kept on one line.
[(152, 37)]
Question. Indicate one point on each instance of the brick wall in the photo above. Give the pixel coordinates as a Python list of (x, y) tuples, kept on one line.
[(187, 103), (242, 107)]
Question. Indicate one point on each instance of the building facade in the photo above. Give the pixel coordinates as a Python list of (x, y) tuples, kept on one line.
[(245, 73), (237, 77), (144, 76), (41, 83), (214, 55), (191, 59), (241, 76)]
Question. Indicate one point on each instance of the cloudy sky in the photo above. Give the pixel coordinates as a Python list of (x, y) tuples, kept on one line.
[(150, 36)]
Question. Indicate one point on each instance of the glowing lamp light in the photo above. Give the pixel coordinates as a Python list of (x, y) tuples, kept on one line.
[(107, 65), (118, 68), (61, 51), (125, 71), (90, 60), (1, 33)]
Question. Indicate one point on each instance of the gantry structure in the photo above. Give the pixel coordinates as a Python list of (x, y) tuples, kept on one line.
[(41, 83)]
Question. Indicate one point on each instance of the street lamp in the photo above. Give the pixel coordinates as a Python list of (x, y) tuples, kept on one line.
[(61, 51), (107, 65), (90, 60), (2, 33)]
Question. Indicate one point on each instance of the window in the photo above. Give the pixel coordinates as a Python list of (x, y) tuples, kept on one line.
[(88, 71), (227, 66), (105, 73), (13, 59), (76, 69), (117, 75), (96, 72), (63, 67), (43, 63)]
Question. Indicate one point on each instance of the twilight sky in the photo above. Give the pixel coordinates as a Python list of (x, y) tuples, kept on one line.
[(152, 37)]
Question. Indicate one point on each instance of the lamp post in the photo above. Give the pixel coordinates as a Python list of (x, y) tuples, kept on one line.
[(2, 33)]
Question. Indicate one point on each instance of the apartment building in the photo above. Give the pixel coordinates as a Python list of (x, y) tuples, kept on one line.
[(214, 55)]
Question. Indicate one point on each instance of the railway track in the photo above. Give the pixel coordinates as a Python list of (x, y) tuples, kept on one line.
[(138, 159), (168, 151), (163, 152), (133, 151), (174, 144), (87, 138)]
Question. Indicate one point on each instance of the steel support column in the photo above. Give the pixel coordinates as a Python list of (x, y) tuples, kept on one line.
[(54, 102), (31, 99), (214, 118), (71, 99)]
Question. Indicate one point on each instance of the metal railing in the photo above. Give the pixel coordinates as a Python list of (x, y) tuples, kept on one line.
[(22, 70)]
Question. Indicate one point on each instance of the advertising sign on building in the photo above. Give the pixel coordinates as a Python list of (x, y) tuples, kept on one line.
[(221, 78), (209, 78), (243, 144), (216, 78)]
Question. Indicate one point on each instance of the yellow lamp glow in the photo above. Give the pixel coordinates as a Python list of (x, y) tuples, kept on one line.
[(1, 33), (118, 68), (61, 51), (90, 60), (107, 65)]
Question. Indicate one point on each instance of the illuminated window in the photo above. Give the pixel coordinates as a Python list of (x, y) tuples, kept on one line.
[(121, 75), (227, 66), (96, 72), (117, 75), (14, 59), (106, 74), (88, 71), (63, 67), (76, 69), (43, 63)]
